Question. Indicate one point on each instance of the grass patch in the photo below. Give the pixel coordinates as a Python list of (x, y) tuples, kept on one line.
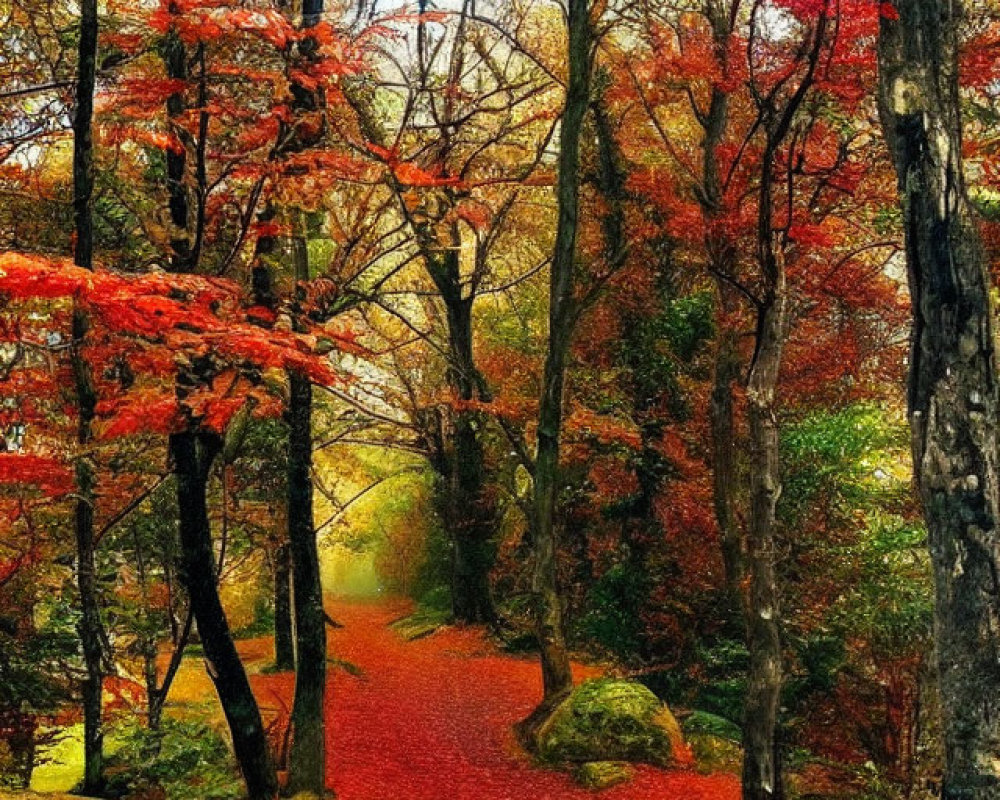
[(422, 622)]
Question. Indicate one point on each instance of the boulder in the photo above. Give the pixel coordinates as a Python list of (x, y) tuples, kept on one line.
[(714, 742), (606, 719)]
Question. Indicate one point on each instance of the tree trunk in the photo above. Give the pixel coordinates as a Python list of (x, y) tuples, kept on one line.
[(307, 759), (762, 779), (952, 395), (192, 456), (91, 634), (761, 766), (557, 679), (471, 527), (284, 649), (724, 473), (722, 263), (464, 491), (468, 510), (175, 56), (158, 699)]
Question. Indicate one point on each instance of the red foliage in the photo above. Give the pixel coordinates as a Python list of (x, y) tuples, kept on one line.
[(153, 323), (150, 411), (888, 11), (48, 474)]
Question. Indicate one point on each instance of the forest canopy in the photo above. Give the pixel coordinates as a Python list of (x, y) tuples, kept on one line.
[(610, 385)]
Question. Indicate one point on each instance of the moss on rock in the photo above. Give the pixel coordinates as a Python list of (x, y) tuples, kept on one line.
[(603, 774), (611, 720), (714, 742), (715, 753)]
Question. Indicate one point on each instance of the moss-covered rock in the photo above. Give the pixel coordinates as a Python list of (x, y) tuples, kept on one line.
[(715, 753), (714, 742), (611, 720), (712, 725), (603, 774)]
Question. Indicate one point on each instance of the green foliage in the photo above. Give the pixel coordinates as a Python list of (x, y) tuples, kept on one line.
[(891, 605), (263, 618), (611, 620), (822, 655), (432, 584), (437, 598), (852, 464), (258, 451), (422, 622), (186, 759), (842, 458), (722, 686), (687, 322), (33, 665)]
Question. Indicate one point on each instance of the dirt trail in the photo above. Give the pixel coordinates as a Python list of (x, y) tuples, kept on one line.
[(431, 719)]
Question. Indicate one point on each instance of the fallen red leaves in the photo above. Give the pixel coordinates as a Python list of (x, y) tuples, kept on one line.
[(431, 719)]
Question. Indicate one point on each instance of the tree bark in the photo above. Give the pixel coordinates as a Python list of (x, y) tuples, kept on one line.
[(722, 262), (557, 679), (471, 527), (762, 778), (952, 395), (89, 626), (175, 56), (284, 649), (761, 765), (725, 487), (468, 510), (193, 455), (307, 759)]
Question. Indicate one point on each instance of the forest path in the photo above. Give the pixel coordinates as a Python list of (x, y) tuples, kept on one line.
[(431, 719)]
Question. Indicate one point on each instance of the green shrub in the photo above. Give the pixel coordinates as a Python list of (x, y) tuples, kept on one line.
[(611, 619), (185, 760)]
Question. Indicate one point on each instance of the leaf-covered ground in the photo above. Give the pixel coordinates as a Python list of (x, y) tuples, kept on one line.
[(430, 719)]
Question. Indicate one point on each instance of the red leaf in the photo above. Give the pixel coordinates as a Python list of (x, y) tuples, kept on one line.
[(888, 11)]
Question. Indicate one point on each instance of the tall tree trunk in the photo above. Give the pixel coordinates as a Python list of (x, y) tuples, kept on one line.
[(761, 766), (284, 649), (722, 262), (175, 56), (724, 469), (762, 778), (471, 527), (557, 679), (469, 512), (90, 629), (952, 397), (193, 455), (307, 759)]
